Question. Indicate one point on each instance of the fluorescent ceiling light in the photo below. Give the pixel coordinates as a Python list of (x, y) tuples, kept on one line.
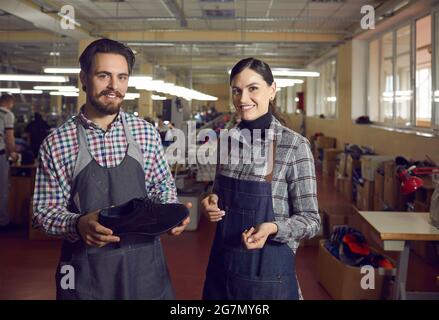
[(64, 93), (131, 96), (32, 78), (156, 97), (10, 90), (31, 91), (285, 82), (59, 88), (147, 83), (150, 44), (294, 73), (61, 70), (285, 72), (135, 81)]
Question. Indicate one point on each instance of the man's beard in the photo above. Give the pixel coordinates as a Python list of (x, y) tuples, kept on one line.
[(108, 109)]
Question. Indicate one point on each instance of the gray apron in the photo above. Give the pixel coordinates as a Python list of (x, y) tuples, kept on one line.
[(135, 267)]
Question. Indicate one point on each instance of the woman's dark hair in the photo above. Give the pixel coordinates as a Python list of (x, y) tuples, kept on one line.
[(105, 46), (263, 69)]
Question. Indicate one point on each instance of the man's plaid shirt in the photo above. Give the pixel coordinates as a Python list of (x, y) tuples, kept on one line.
[(294, 184), (58, 156)]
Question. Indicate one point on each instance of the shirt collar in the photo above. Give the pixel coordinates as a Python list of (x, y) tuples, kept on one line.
[(88, 124)]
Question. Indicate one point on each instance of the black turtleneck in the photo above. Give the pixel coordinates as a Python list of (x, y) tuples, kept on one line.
[(263, 122)]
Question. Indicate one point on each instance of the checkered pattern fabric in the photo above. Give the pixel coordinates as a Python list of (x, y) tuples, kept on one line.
[(294, 184), (58, 157)]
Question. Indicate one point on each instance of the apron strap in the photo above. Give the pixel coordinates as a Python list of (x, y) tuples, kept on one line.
[(269, 176), (84, 156), (133, 150)]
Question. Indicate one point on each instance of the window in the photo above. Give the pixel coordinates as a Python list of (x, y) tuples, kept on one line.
[(373, 97), (435, 112), (403, 93), (326, 89), (400, 76), (423, 72), (386, 79)]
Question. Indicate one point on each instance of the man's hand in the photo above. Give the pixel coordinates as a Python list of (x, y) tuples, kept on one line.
[(93, 233), (209, 206), (255, 238), (14, 157), (178, 230)]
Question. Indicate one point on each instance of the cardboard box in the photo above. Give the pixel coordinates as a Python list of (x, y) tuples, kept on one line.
[(365, 196), (329, 168), (391, 186), (337, 180), (351, 164), (371, 235), (342, 163), (423, 194), (378, 192), (346, 186), (324, 142), (420, 207), (369, 164), (330, 154), (335, 215), (343, 282)]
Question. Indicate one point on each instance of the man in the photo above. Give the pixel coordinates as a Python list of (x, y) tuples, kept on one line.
[(7, 150), (100, 158), (37, 131)]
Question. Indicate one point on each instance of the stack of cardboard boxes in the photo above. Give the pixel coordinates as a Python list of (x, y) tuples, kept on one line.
[(428, 250), (330, 161), (343, 175), (370, 193), (321, 143)]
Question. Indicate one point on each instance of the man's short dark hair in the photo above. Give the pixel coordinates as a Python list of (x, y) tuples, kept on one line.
[(105, 46), (6, 98)]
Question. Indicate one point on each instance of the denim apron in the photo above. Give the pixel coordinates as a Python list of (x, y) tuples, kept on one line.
[(234, 272), (133, 268)]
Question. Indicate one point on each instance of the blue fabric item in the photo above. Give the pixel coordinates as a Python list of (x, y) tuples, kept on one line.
[(236, 273)]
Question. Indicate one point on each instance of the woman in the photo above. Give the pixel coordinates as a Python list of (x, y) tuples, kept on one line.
[(263, 208)]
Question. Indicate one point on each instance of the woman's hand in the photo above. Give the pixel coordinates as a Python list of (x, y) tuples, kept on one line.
[(255, 238), (209, 207)]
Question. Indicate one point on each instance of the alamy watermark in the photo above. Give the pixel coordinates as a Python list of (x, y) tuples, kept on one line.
[(368, 20), (67, 281), (367, 281), (229, 147), (67, 14)]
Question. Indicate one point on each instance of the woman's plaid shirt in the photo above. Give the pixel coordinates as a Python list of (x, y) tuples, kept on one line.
[(294, 184), (58, 156)]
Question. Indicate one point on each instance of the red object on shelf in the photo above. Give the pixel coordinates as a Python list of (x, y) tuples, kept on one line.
[(411, 183)]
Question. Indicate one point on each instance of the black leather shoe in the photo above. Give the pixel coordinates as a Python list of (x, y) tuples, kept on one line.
[(143, 216)]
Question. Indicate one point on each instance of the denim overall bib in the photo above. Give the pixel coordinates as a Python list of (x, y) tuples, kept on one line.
[(133, 268), (234, 272)]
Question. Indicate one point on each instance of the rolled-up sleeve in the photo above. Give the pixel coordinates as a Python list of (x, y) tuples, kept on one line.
[(50, 212), (304, 220), (163, 188)]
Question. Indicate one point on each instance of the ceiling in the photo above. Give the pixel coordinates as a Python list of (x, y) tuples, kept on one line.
[(201, 39)]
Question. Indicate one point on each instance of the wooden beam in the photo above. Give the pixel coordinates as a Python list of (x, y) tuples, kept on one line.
[(222, 36)]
